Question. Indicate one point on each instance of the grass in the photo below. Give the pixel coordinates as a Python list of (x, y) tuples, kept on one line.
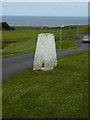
[(61, 93), (26, 38), (82, 29), (67, 44)]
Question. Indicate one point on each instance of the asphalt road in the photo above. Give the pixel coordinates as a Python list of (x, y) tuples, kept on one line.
[(15, 64)]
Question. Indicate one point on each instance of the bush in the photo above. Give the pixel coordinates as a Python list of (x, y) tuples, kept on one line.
[(5, 26)]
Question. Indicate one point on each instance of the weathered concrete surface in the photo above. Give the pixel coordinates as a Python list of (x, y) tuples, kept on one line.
[(45, 55)]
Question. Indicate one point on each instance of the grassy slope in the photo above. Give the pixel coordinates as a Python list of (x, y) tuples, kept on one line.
[(67, 44), (26, 38), (83, 29), (61, 93)]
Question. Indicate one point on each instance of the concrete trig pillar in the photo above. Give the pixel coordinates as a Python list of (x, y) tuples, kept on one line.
[(45, 55)]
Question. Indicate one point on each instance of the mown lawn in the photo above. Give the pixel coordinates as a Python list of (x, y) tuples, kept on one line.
[(61, 93), (26, 38)]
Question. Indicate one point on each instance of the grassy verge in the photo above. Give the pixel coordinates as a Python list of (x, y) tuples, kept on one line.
[(67, 44), (26, 38), (61, 93)]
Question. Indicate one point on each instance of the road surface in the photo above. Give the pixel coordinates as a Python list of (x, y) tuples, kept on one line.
[(15, 64)]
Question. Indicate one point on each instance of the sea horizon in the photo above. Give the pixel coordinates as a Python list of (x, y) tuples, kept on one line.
[(44, 21)]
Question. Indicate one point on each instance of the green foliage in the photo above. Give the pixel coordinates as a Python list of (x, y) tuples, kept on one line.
[(61, 93), (5, 26)]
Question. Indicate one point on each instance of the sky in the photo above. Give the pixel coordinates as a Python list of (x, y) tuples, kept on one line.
[(45, 8)]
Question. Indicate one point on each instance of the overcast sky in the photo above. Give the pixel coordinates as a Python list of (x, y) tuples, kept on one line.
[(45, 8)]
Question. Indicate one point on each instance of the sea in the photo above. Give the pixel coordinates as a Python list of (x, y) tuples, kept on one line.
[(44, 21)]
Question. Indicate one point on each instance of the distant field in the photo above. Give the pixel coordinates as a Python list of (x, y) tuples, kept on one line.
[(83, 29), (61, 93), (25, 38)]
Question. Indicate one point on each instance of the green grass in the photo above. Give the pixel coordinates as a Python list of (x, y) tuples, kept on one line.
[(83, 29), (26, 38), (67, 44), (61, 93)]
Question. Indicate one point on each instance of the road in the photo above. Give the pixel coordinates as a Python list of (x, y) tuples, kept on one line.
[(15, 64)]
